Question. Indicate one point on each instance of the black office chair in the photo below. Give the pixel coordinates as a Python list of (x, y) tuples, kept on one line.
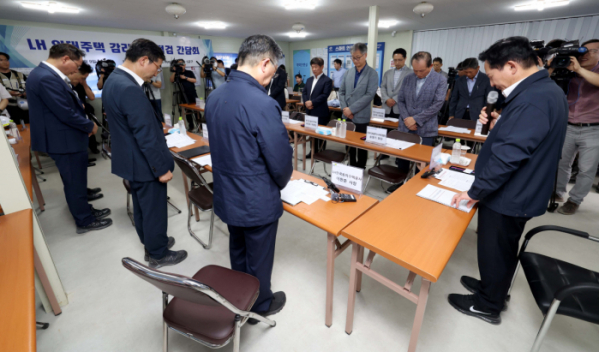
[(390, 173), (129, 208), (557, 286), (209, 308), (328, 156), (200, 195)]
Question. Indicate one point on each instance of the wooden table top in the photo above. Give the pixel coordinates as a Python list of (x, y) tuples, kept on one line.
[(464, 136), (416, 233), (419, 153), (191, 107), (327, 216), (17, 293), (292, 101), (385, 124)]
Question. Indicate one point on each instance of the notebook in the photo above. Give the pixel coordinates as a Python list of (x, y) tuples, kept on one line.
[(187, 154), (442, 196)]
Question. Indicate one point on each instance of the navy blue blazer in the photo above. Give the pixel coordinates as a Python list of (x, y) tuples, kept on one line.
[(319, 96), (461, 98), (516, 167), (277, 87), (139, 151), (251, 155), (57, 119)]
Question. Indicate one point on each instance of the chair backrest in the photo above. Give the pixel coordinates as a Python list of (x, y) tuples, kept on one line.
[(350, 126), (332, 123), (189, 169), (462, 123), (404, 136), (179, 286)]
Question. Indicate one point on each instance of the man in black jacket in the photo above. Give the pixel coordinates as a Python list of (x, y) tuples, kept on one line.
[(139, 151), (315, 95), (470, 92), (276, 89), (513, 171)]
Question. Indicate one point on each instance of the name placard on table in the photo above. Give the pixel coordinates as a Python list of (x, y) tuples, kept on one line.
[(285, 116), (347, 177), (378, 114), (205, 131), (376, 135), (311, 122)]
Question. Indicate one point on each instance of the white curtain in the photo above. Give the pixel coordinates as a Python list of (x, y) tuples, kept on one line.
[(454, 45)]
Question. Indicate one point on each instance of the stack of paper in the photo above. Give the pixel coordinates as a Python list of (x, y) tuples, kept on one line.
[(302, 191), (456, 180), (391, 119), (178, 140), (377, 120), (397, 144), (442, 196), (295, 122), (203, 160), (455, 129)]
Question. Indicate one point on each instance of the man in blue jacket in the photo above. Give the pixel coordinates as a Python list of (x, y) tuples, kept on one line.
[(470, 92), (513, 171), (315, 95), (139, 151), (251, 160), (60, 128)]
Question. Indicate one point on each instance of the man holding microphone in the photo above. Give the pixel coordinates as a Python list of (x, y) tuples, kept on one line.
[(513, 169)]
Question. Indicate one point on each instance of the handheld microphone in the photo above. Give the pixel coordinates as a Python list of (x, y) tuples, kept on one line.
[(491, 100)]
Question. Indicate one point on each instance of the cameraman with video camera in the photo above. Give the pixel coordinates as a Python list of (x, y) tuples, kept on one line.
[(216, 69), (188, 80), (582, 136), (14, 82)]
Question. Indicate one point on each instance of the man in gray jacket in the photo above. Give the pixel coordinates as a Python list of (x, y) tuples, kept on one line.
[(391, 83), (355, 97)]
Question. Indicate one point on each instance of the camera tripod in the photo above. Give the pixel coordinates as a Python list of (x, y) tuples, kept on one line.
[(148, 90), (178, 92)]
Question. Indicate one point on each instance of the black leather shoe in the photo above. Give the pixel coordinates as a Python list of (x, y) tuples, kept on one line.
[(471, 284), (171, 243), (393, 188), (171, 258), (383, 157), (100, 213), (465, 304), (91, 160), (91, 164), (91, 197), (276, 305), (308, 156), (94, 190), (96, 225)]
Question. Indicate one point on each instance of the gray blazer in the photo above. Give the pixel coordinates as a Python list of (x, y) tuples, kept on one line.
[(359, 99), (423, 107), (388, 91)]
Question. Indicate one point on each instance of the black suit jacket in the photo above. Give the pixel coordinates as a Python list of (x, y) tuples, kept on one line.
[(461, 98), (277, 87), (319, 96), (139, 151)]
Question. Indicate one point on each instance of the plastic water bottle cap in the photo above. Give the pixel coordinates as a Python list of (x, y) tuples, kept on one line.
[(180, 118), (457, 140)]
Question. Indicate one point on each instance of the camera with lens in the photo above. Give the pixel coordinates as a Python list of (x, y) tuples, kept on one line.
[(105, 67), (451, 75), (208, 64), (177, 66), (561, 75)]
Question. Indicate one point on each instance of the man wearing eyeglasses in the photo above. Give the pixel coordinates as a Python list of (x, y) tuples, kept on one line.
[(139, 151), (356, 93), (582, 136), (60, 128)]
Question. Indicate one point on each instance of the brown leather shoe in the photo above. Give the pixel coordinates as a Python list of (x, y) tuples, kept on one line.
[(558, 199), (568, 208)]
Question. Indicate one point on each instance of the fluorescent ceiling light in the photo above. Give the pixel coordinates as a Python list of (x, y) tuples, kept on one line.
[(51, 7), (386, 23), (540, 5), (300, 5), (213, 25), (297, 35)]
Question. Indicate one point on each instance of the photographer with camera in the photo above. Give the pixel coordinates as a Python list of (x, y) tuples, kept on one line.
[(187, 80), (216, 69), (14, 82), (103, 69), (582, 136)]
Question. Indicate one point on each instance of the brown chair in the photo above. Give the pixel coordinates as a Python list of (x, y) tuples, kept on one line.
[(390, 173), (130, 211), (200, 195), (462, 123), (209, 308), (328, 156)]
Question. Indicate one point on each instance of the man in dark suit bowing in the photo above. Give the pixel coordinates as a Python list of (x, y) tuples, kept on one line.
[(60, 128), (139, 151), (470, 92), (315, 94)]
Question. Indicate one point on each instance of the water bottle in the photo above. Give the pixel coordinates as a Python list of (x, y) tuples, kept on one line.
[(456, 153), (343, 128), (14, 130), (202, 103), (182, 129), (338, 128)]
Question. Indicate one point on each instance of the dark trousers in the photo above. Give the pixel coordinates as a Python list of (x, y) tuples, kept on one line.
[(157, 104), (404, 165), (73, 172), (498, 238), (466, 115), (17, 114), (93, 144), (392, 114), (150, 215), (252, 251), (362, 153)]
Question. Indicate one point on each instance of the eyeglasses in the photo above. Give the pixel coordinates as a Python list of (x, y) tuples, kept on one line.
[(594, 51), (354, 58), (78, 66), (159, 68)]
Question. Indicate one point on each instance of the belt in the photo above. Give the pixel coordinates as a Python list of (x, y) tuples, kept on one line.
[(583, 124)]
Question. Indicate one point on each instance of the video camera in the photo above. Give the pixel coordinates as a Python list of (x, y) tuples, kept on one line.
[(177, 66), (451, 75), (208, 64), (105, 67), (563, 53)]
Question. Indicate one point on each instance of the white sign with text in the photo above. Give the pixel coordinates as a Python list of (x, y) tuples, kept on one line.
[(479, 127), (285, 116), (376, 135), (311, 122), (378, 114), (347, 177), (205, 131)]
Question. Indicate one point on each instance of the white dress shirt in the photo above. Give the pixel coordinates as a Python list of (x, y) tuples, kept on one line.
[(138, 79), (471, 83), (506, 92), (420, 82), (62, 75), (316, 78)]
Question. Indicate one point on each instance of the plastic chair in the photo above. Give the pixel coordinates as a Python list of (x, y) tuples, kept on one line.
[(328, 156)]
